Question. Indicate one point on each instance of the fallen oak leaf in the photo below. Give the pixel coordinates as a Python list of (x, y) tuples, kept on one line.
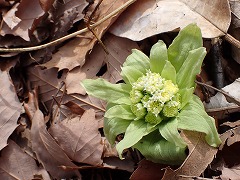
[(118, 52), (48, 152), (146, 18), (10, 108), (200, 156), (79, 138), (73, 53), (15, 163)]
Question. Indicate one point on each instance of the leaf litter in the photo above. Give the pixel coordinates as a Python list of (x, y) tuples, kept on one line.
[(58, 134)]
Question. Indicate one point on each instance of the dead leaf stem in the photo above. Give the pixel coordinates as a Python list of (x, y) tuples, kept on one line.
[(69, 36)]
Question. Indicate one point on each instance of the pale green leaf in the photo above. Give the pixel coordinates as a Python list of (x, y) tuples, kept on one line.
[(135, 131), (190, 68), (158, 57), (186, 95), (102, 89), (137, 58), (194, 118), (131, 74), (120, 111), (169, 72), (114, 127), (155, 148), (169, 130), (188, 38)]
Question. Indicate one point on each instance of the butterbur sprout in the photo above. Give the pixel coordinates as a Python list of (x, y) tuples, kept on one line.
[(156, 101)]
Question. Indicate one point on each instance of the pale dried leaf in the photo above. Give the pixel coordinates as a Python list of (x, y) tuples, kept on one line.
[(232, 173), (15, 164), (200, 156), (27, 11), (10, 19), (48, 152), (10, 108), (80, 139), (146, 18), (219, 100), (73, 53), (230, 137)]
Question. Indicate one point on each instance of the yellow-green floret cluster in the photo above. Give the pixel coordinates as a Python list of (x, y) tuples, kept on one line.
[(154, 98)]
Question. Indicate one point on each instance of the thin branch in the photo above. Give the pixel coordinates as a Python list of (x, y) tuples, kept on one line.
[(69, 36), (228, 96)]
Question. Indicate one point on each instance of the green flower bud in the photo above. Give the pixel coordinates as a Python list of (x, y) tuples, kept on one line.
[(170, 109), (136, 96), (152, 118), (139, 110)]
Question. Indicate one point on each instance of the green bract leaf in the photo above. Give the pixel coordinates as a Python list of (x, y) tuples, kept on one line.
[(188, 38), (194, 118), (169, 72), (137, 58), (130, 74), (190, 68), (155, 148), (115, 93), (169, 130), (114, 127), (186, 95), (158, 57), (120, 111), (135, 131)]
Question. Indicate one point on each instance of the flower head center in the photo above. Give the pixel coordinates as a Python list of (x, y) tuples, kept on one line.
[(156, 95)]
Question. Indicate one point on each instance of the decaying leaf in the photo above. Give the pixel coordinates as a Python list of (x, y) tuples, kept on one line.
[(15, 164), (20, 20), (10, 108), (64, 14), (73, 53), (232, 173), (48, 152), (50, 84), (219, 101), (200, 156), (146, 18), (80, 139), (148, 170), (230, 137)]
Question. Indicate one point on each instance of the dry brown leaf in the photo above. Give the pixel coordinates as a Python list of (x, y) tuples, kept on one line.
[(64, 14), (48, 152), (230, 137), (88, 70), (146, 18), (119, 49), (232, 173), (48, 82), (21, 18), (15, 164), (10, 108), (73, 53), (148, 170), (118, 52), (79, 138), (200, 156)]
